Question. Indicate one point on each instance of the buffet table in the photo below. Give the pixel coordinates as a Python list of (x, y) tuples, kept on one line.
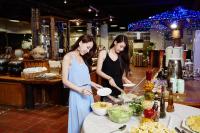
[(101, 124)]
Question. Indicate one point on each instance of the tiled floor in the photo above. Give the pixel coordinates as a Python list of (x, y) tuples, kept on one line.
[(45, 119)]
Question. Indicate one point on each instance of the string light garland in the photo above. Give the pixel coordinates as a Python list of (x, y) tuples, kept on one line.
[(97, 14), (189, 19), (65, 1)]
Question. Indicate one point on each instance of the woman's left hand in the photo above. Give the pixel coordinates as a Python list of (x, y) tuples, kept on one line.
[(86, 92), (96, 86)]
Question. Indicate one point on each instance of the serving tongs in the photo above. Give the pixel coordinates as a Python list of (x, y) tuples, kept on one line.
[(179, 130), (121, 90)]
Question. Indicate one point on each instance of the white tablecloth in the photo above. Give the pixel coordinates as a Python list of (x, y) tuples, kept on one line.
[(101, 124)]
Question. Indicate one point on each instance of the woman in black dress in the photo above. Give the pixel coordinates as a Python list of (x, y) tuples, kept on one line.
[(113, 66)]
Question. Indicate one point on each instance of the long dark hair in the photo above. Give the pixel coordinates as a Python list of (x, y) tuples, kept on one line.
[(85, 39), (123, 55)]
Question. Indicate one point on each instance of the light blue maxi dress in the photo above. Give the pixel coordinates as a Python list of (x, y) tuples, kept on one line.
[(79, 105)]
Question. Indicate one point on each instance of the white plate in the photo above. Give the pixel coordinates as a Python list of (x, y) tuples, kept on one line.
[(104, 91), (128, 85)]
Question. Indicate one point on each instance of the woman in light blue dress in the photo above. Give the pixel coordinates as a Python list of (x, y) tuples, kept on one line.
[(76, 76)]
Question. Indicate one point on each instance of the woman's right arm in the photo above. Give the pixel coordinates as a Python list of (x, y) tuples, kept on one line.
[(115, 100), (65, 70)]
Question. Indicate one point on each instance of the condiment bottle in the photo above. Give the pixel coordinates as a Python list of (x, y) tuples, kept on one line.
[(170, 106), (162, 104), (155, 108)]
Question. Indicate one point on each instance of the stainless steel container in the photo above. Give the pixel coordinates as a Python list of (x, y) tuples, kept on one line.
[(3, 66), (188, 70), (174, 69), (15, 68)]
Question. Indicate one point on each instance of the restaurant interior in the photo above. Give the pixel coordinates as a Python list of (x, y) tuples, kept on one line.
[(164, 44)]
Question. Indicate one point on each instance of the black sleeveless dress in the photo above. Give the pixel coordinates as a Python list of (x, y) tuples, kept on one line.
[(113, 69)]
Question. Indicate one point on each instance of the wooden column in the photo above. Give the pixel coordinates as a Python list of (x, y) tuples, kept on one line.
[(104, 35), (68, 36), (54, 49), (156, 57), (35, 25)]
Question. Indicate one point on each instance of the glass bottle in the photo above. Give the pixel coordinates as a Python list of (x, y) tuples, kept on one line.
[(170, 106), (155, 108), (162, 104)]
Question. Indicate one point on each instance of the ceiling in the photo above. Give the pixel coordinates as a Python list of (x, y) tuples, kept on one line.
[(122, 11)]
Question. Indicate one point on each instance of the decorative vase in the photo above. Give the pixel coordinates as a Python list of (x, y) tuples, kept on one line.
[(18, 53)]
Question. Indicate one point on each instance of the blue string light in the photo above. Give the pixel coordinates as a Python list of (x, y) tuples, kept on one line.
[(189, 19)]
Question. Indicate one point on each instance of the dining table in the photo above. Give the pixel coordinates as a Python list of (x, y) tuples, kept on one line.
[(94, 123)]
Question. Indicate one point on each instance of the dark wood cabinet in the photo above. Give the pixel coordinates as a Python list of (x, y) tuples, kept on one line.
[(12, 94), (20, 92)]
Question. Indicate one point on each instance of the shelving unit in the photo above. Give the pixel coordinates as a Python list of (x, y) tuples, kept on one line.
[(54, 36)]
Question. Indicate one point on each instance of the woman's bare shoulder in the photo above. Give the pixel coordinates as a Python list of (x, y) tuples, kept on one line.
[(103, 53), (68, 55)]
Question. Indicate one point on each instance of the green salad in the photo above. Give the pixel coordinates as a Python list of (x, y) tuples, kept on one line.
[(120, 114), (137, 106)]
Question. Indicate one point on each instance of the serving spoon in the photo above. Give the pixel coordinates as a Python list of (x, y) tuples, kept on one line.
[(119, 129)]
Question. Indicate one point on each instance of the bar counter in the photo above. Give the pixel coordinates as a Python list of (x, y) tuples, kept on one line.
[(8, 78), (17, 91), (23, 93)]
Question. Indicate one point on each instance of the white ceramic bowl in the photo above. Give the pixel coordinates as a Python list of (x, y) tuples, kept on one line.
[(18, 53), (100, 110)]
